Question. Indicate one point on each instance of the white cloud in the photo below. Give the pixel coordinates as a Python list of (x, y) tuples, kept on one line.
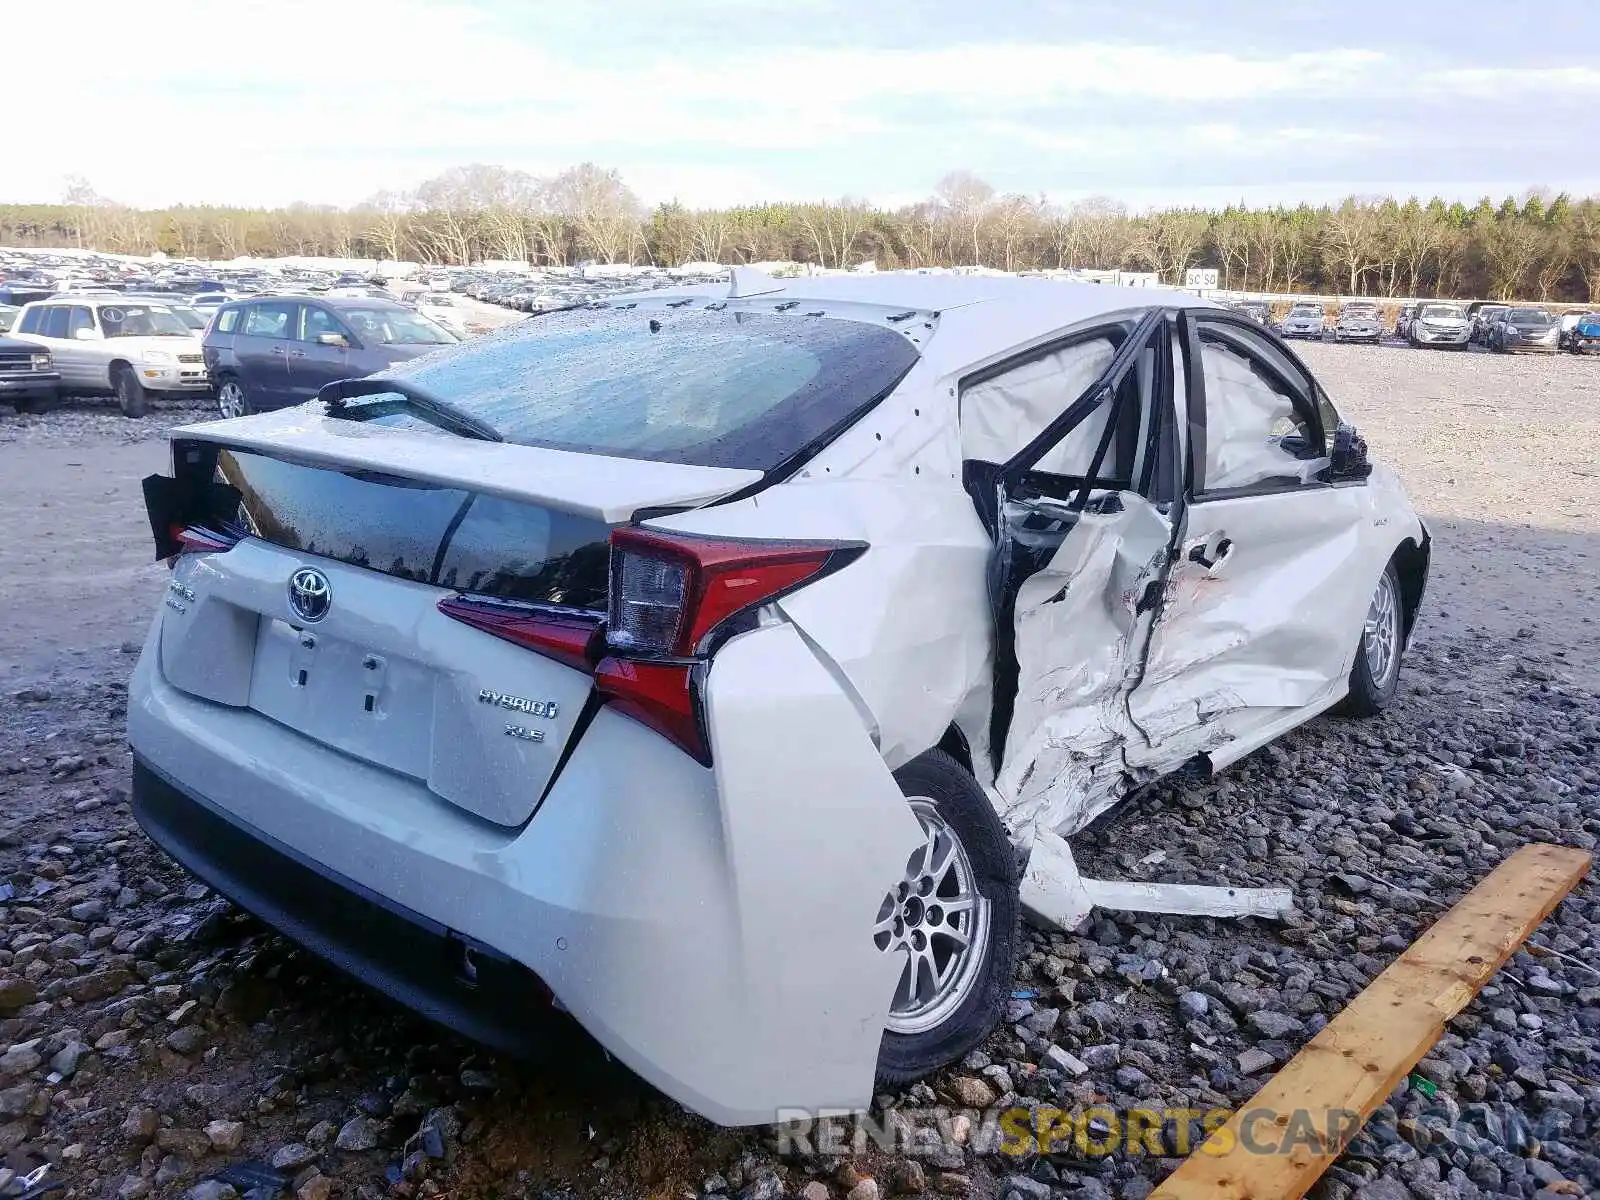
[(332, 101)]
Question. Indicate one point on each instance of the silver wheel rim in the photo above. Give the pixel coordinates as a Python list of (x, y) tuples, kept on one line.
[(939, 921), (230, 400), (1380, 638)]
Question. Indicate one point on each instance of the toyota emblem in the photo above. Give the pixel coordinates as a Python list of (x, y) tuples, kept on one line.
[(310, 594)]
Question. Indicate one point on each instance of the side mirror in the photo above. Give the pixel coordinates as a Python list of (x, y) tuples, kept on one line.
[(86, 335), (333, 339), (1347, 459)]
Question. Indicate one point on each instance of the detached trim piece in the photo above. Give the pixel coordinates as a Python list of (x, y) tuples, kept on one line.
[(1348, 1069), (1054, 892)]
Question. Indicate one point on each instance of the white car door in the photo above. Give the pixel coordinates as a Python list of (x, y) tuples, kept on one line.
[(1262, 612), (87, 354), (1083, 524)]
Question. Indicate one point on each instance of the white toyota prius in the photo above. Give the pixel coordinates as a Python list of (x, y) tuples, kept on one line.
[(710, 664)]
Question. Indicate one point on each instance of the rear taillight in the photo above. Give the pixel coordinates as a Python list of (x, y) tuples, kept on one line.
[(192, 539), (570, 638), (674, 599), (673, 595)]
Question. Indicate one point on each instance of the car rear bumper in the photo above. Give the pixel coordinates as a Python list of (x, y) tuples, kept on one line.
[(710, 927), (462, 984)]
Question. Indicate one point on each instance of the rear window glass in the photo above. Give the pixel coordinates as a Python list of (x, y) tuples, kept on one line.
[(695, 386), (444, 536)]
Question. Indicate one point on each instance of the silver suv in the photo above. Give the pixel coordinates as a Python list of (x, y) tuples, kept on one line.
[(107, 343)]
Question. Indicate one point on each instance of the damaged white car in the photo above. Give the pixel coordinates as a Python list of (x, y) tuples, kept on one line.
[(718, 665)]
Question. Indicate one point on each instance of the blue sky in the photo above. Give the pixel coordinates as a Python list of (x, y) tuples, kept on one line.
[(725, 101)]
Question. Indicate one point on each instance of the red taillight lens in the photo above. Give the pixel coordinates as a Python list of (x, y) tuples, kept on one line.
[(567, 638), (660, 696), (193, 540), (670, 592), (671, 596)]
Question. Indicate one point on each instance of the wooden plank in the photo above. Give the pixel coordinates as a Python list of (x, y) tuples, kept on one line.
[(1275, 1146)]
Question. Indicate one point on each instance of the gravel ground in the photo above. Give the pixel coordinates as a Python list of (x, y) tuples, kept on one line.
[(150, 1034)]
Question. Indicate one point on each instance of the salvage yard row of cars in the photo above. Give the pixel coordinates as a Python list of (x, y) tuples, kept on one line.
[(1437, 323), (104, 327)]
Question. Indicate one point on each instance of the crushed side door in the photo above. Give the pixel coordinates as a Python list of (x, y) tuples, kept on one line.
[(1084, 525), (1275, 564)]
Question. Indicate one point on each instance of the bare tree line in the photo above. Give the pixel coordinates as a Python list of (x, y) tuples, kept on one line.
[(1540, 245)]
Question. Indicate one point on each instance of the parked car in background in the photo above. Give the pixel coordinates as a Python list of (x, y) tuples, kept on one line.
[(644, 656), (19, 294), (1439, 324), (1585, 337), (1305, 319), (271, 352), (1358, 322), (1483, 319), (206, 303), (131, 349), (1258, 311), (1565, 324), (1524, 329), (444, 309), (29, 381), (1403, 320)]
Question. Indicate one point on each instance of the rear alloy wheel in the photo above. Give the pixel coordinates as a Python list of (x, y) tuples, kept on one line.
[(233, 400), (132, 399), (951, 920), (1375, 675)]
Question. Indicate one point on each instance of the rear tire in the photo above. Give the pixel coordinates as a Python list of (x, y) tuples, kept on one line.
[(932, 1025), (1375, 675), (132, 399), (233, 399)]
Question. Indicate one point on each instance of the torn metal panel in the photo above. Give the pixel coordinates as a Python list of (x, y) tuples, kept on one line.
[(1266, 628), (1080, 624), (1053, 891)]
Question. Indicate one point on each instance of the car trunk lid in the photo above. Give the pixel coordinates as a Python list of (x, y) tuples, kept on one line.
[(359, 656)]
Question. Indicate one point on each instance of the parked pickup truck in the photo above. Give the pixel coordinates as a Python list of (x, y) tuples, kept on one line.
[(28, 376)]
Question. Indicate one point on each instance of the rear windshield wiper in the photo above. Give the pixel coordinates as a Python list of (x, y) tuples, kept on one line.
[(336, 397)]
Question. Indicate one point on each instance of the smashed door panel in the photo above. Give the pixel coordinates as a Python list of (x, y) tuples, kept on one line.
[(1080, 627)]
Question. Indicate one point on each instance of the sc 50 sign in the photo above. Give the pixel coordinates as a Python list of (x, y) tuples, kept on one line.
[(1200, 277)]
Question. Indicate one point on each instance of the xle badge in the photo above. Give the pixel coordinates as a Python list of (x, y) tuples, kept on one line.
[(533, 708), (526, 734)]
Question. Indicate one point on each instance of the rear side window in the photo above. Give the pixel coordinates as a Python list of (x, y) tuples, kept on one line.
[(416, 531), (695, 386), (30, 321), (227, 320), (270, 320)]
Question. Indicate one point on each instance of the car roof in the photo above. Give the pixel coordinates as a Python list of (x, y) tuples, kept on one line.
[(979, 316)]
